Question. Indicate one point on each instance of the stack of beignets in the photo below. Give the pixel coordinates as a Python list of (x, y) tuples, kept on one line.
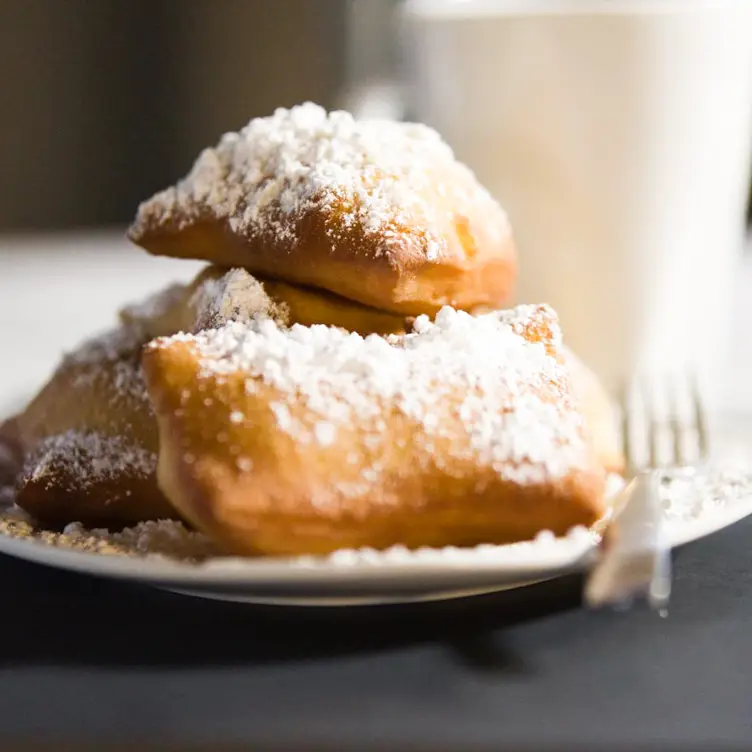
[(296, 396)]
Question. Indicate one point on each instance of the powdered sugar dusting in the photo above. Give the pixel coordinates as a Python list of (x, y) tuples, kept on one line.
[(234, 296), (114, 356), (125, 379), (688, 495), (496, 373), (372, 174), (111, 345), (154, 539), (86, 459)]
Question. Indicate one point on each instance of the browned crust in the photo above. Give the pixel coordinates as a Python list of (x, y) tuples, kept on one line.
[(244, 295), (477, 268), (88, 398)]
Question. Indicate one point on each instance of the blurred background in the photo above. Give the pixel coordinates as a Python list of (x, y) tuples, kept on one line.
[(105, 102)]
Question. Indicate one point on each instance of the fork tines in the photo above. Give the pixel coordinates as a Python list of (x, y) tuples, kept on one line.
[(663, 423)]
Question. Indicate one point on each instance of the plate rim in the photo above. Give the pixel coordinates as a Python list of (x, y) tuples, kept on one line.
[(316, 576)]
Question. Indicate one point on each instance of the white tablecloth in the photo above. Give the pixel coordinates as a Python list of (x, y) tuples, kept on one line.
[(57, 289)]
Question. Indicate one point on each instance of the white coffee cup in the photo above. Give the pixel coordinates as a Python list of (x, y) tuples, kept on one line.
[(617, 134)]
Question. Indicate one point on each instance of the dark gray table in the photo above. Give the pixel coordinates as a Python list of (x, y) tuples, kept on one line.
[(84, 659)]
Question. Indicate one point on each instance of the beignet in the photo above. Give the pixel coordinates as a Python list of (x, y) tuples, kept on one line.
[(309, 439), (378, 212), (89, 439)]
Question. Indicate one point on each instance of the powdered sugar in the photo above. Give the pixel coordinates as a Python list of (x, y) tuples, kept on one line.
[(325, 432), (690, 495), (372, 174), (87, 458), (113, 344), (508, 390), (233, 296), (159, 538), (112, 356), (577, 541)]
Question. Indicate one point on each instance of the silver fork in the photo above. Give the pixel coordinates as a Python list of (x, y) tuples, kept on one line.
[(635, 556)]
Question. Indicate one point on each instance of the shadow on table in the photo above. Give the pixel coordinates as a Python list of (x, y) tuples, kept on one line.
[(55, 618)]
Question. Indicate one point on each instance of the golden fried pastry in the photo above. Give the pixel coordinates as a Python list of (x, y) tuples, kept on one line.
[(376, 212), (599, 411), (311, 439), (89, 438), (85, 449), (219, 296)]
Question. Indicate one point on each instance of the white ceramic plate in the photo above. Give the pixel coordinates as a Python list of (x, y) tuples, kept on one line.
[(696, 504)]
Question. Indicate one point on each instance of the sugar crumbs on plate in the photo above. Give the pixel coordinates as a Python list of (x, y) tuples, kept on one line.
[(687, 497), (162, 538)]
